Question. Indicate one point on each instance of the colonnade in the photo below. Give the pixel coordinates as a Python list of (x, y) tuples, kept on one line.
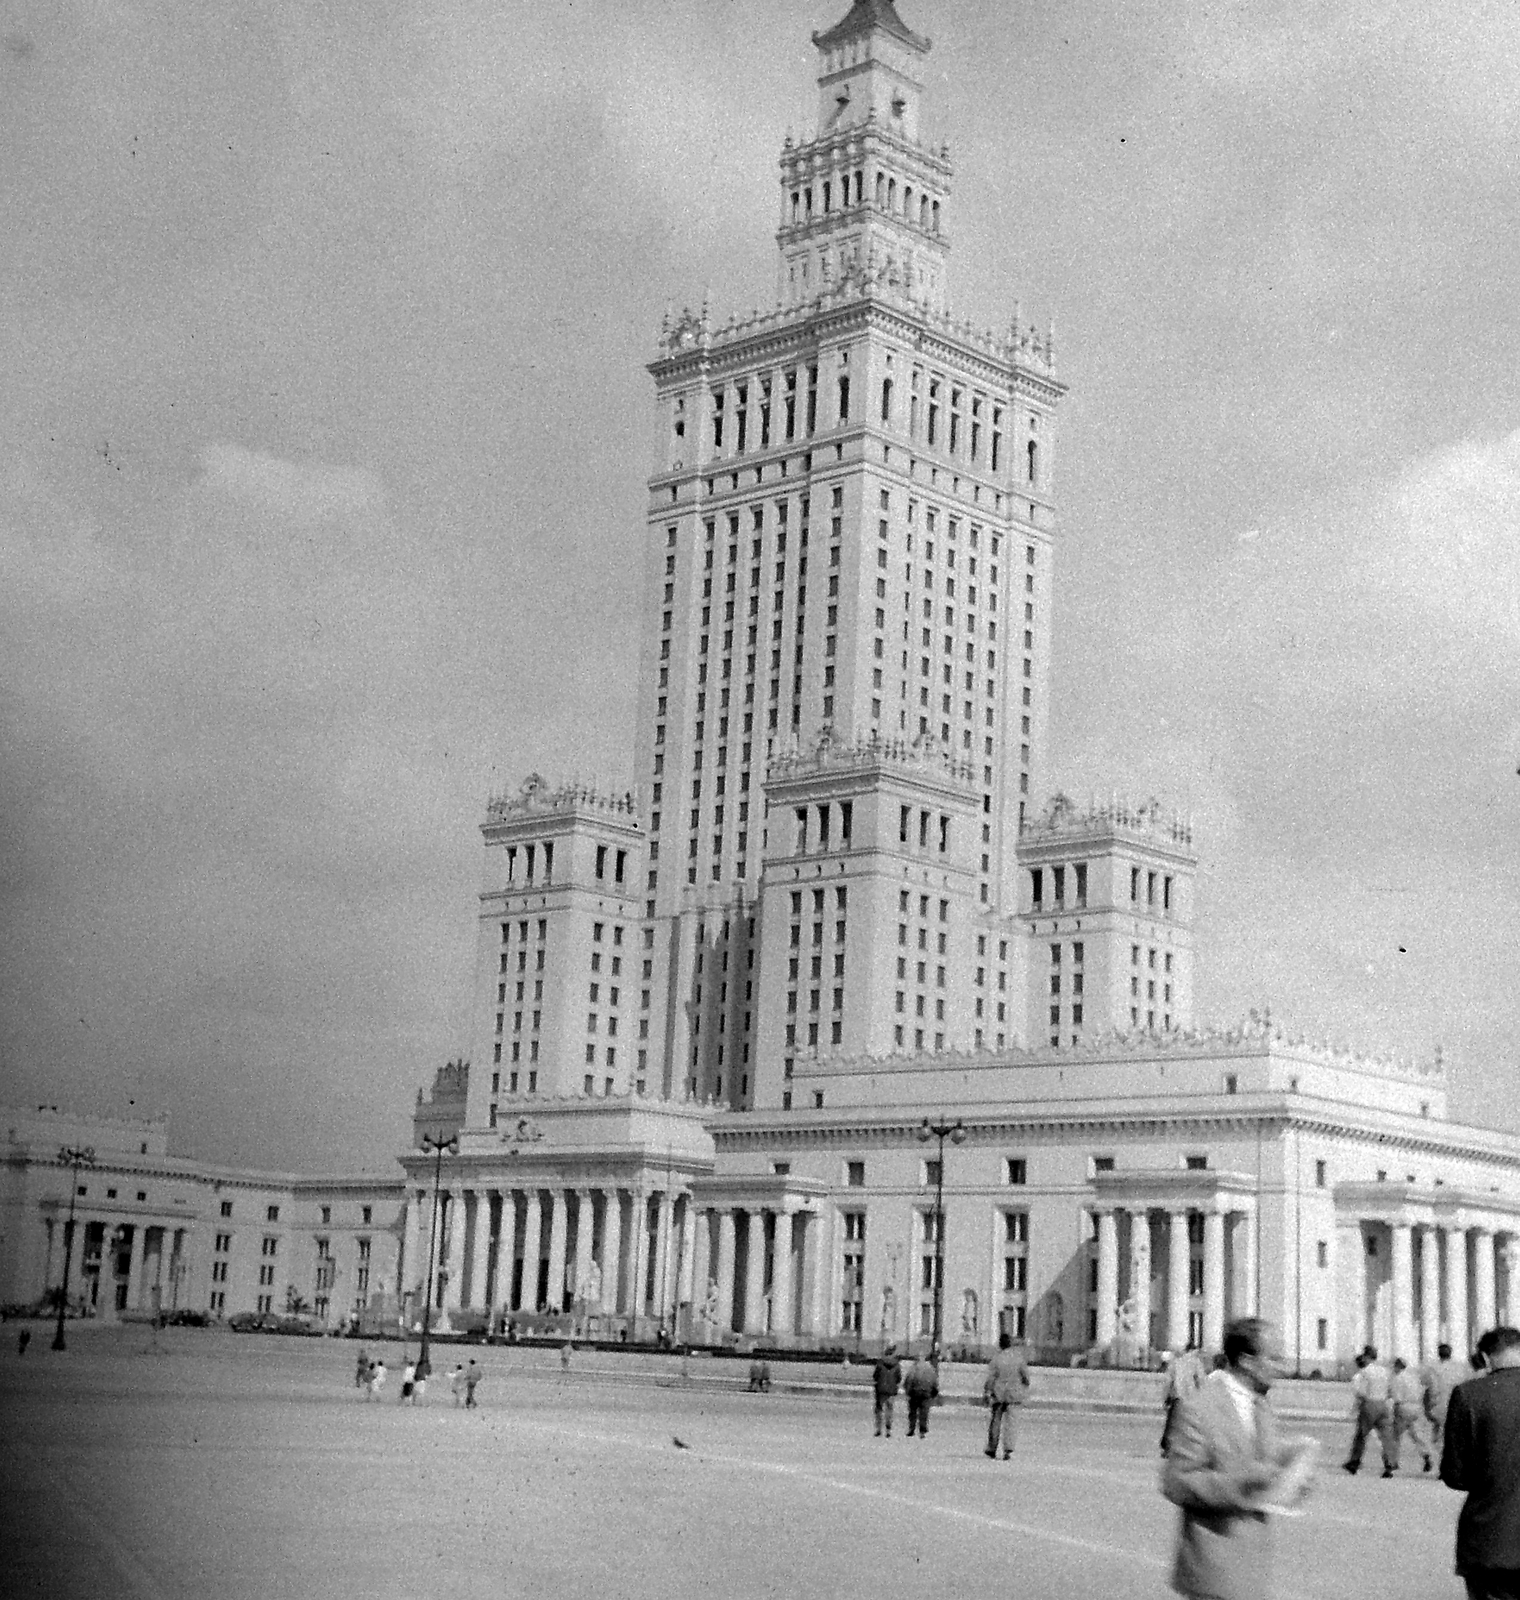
[(648, 1251), (1446, 1282), (595, 1250), (156, 1259), (1213, 1275), (758, 1270)]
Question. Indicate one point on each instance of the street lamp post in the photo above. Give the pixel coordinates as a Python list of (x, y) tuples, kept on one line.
[(437, 1147), (955, 1132), (73, 1157)]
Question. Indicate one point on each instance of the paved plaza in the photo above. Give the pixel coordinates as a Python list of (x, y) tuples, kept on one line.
[(227, 1466)]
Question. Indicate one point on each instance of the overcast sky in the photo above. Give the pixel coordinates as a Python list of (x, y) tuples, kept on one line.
[(323, 435)]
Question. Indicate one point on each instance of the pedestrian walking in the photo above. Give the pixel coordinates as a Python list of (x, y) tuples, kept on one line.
[(921, 1385), (361, 1370), (1003, 1389), (408, 1383), (1407, 1394), (567, 1350), (1441, 1377), (472, 1377), (1184, 1377), (1225, 1461), (886, 1380), (456, 1383), (376, 1380), (1481, 1456), (1371, 1400)]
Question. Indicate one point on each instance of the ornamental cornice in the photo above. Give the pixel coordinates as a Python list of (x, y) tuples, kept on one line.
[(739, 343)]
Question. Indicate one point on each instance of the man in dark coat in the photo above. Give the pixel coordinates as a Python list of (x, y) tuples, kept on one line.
[(920, 1385), (886, 1380), (1481, 1455)]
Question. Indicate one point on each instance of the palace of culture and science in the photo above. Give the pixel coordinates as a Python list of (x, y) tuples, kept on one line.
[(713, 1013)]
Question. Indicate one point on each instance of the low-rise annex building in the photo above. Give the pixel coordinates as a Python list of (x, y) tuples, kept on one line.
[(157, 1232)]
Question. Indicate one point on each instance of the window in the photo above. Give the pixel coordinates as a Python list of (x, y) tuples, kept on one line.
[(226, 1206), (326, 1215), (366, 1216), (1103, 1163), (933, 1172), (1197, 1163), (1018, 1170), (1322, 1254), (273, 1214), (1319, 1174), (855, 1174)]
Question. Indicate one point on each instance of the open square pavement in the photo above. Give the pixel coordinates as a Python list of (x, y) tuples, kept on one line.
[(227, 1466)]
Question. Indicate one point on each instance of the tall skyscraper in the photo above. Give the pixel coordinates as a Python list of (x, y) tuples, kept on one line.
[(849, 549)]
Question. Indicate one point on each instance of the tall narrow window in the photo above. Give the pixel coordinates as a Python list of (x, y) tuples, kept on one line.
[(886, 399), (1034, 461), (844, 397)]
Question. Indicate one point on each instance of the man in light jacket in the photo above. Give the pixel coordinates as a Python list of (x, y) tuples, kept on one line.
[(1003, 1389), (1223, 1457)]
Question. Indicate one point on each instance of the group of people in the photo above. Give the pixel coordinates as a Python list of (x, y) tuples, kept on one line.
[(370, 1376), (1003, 1390), (1400, 1400), (1228, 1468)]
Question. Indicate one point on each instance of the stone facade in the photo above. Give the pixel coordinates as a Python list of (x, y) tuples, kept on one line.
[(155, 1232), (844, 911)]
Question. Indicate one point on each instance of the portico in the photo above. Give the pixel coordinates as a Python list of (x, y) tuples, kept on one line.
[(1425, 1265)]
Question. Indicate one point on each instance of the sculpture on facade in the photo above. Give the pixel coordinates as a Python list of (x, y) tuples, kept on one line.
[(969, 1314)]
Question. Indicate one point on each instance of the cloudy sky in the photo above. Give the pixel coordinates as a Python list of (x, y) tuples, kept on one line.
[(323, 332)]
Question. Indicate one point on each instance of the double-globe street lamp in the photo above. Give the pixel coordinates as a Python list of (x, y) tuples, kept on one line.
[(73, 1157), (955, 1132), (437, 1147)]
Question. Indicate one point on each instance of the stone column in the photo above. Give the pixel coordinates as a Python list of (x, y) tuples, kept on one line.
[(1458, 1331), (782, 1317), (139, 1239), (1213, 1280), (686, 1288), (411, 1245), (1430, 1294), (584, 1223), (701, 1255), (1402, 1235), (1484, 1309), (1108, 1277), (807, 1307), (638, 1253), (1509, 1259), (506, 1249), (664, 1211), (480, 1262), (726, 1265), (559, 1227), (1244, 1245), (1140, 1273), (612, 1249), (533, 1223), (754, 1278), (453, 1251), (1179, 1260)]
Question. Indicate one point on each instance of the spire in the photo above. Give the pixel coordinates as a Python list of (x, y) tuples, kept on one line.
[(867, 16)]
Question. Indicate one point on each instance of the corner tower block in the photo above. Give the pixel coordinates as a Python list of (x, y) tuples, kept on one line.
[(1107, 899)]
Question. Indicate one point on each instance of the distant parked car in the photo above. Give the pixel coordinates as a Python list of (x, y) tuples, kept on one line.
[(253, 1322), (186, 1317), (298, 1325)]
